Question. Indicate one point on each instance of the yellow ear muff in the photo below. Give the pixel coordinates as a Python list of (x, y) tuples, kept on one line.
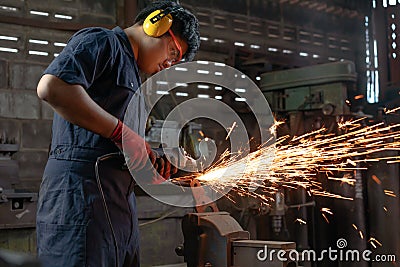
[(157, 24)]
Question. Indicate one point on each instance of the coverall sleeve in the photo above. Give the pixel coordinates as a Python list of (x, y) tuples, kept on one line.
[(84, 58)]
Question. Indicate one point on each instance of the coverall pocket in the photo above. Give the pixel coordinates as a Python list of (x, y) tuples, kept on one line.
[(61, 245), (63, 207)]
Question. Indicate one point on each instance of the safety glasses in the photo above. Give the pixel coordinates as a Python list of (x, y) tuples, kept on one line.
[(174, 51)]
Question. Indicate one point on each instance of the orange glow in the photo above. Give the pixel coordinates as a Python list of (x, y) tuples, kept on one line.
[(301, 161)]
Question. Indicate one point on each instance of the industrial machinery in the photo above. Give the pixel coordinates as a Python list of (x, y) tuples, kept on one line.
[(311, 98), (211, 237), (215, 238), (308, 99), (189, 137), (323, 87), (17, 208), (200, 150)]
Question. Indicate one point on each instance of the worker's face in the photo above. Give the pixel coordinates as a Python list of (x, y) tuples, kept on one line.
[(161, 53)]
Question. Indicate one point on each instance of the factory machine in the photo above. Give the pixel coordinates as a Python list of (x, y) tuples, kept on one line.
[(236, 231), (211, 237), (308, 99), (215, 238), (17, 207)]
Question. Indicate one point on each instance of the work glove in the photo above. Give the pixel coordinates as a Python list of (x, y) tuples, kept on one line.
[(140, 157), (164, 167), (136, 148)]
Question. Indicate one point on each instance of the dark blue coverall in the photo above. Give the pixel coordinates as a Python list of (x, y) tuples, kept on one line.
[(72, 229)]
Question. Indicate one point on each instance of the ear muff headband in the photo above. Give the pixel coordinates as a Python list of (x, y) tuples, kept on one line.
[(159, 21)]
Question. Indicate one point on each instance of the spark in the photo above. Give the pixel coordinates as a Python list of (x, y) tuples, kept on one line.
[(275, 126), (349, 123), (326, 219), (358, 97), (327, 194), (393, 161), (361, 234), (301, 221), (392, 110), (326, 210), (349, 181), (230, 130), (373, 240), (359, 231), (385, 209), (376, 179), (303, 161), (389, 193)]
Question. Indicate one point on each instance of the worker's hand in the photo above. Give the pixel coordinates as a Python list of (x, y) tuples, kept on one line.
[(164, 167), (136, 149)]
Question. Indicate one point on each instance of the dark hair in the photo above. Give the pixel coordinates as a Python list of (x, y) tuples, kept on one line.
[(184, 24)]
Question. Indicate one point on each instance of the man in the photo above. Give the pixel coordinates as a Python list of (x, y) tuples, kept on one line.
[(89, 85)]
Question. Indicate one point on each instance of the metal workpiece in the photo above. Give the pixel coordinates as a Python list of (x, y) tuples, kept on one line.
[(202, 201)]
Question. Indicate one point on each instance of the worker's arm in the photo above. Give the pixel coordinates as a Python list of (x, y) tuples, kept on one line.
[(73, 103)]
